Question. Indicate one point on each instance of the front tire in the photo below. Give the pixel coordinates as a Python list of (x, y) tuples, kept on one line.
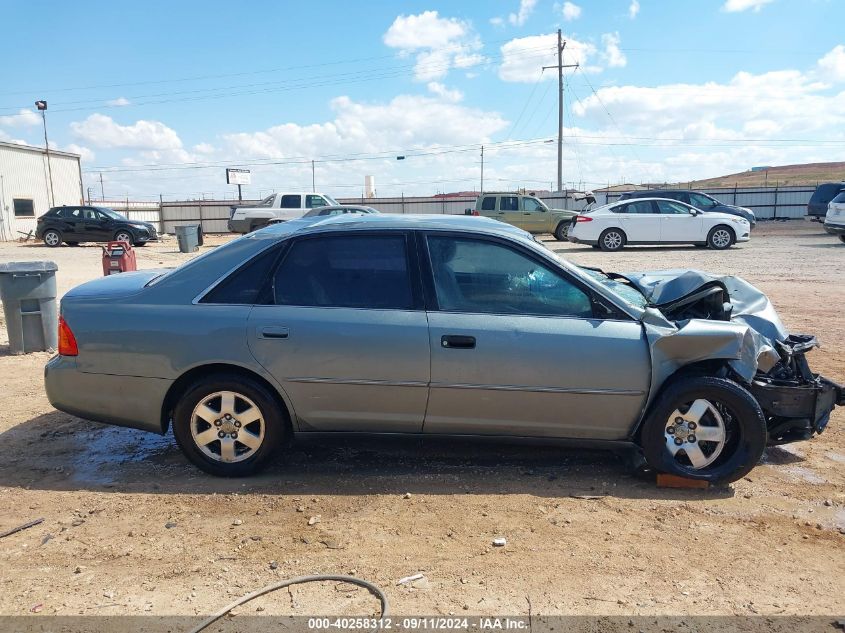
[(52, 238), (704, 428), (228, 425), (720, 237), (611, 240), (124, 236)]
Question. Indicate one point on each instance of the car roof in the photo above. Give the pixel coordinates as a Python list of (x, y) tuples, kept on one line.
[(386, 221), (342, 206), (646, 199)]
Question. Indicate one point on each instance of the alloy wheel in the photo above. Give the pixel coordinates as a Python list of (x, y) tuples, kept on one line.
[(227, 426), (123, 237), (721, 238), (696, 434), (612, 241), (51, 238)]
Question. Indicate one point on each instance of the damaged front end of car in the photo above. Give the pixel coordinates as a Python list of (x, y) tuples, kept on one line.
[(726, 317)]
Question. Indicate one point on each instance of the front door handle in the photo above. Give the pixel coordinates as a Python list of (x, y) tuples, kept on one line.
[(455, 341), (273, 332)]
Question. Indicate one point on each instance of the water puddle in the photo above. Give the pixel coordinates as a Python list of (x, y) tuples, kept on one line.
[(104, 453)]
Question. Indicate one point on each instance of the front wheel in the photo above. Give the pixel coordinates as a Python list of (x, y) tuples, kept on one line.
[(124, 236), (52, 238), (704, 428), (611, 240), (720, 238), (228, 425)]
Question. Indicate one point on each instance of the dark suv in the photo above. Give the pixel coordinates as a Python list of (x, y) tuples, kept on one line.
[(824, 193), (73, 225), (695, 198)]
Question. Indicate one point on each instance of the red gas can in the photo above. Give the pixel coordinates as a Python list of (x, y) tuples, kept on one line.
[(118, 257)]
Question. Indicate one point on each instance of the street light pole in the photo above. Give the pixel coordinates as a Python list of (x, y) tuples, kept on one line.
[(42, 107)]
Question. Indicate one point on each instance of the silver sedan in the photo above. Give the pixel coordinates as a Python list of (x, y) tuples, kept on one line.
[(424, 326)]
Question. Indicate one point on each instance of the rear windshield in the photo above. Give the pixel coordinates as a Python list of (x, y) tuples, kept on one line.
[(839, 198), (826, 193)]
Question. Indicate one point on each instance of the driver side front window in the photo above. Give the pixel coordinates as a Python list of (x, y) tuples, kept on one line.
[(478, 276)]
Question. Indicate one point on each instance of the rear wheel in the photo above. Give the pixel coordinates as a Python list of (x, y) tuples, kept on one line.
[(561, 231), (52, 238), (228, 425), (611, 240), (704, 428), (124, 236), (842, 238), (720, 237)]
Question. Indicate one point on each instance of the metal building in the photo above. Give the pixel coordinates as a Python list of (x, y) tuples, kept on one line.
[(31, 183)]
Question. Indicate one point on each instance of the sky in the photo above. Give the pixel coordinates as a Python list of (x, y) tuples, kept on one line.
[(160, 97)]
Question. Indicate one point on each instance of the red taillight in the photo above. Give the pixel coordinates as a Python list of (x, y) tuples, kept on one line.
[(583, 218), (476, 213), (67, 341)]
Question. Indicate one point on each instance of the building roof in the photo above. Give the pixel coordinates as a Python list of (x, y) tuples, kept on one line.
[(37, 150)]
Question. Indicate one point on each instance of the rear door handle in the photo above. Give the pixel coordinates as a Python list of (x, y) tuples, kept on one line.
[(273, 332), (455, 341)]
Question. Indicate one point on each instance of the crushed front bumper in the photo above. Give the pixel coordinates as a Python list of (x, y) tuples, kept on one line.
[(796, 402)]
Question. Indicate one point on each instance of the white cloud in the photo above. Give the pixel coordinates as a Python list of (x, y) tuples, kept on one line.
[(101, 131), (204, 148), (439, 43), (522, 57), (736, 6), (832, 64), (633, 9), (24, 118), (526, 8), (119, 102), (445, 93), (571, 11), (497, 21), (86, 154), (612, 54)]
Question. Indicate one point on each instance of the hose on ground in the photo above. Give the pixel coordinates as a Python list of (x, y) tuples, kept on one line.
[(298, 580)]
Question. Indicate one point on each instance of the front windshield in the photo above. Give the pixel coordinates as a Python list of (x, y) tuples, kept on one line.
[(332, 201), (628, 293), (114, 215)]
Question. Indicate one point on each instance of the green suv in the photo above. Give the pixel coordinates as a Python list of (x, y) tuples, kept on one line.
[(525, 212)]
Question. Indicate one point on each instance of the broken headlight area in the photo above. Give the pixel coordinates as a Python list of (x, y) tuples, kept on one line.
[(796, 402)]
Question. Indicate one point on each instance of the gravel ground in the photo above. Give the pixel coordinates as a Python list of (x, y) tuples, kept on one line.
[(131, 528)]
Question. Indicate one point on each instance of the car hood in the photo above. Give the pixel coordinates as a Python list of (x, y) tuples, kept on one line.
[(704, 309), (564, 211)]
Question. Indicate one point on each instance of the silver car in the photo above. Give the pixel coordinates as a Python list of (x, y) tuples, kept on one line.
[(425, 326)]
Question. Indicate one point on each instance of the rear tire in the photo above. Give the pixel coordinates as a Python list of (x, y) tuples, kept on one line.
[(720, 410), (52, 238), (228, 425), (721, 237), (561, 231), (611, 240), (842, 238)]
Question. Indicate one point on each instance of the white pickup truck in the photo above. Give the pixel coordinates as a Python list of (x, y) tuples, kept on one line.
[(279, 206)]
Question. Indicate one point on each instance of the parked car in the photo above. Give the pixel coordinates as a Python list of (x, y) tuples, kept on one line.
[(525, 212), (656, 221), (339, 210), (430, 326), (824, 193), (697, 199), (834, 220), (72, 225), (279, 206)]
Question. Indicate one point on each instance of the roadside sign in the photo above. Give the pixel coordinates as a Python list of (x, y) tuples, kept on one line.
[(238, 176)]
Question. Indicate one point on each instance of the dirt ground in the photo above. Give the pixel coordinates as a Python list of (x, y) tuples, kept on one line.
[(131, 528)]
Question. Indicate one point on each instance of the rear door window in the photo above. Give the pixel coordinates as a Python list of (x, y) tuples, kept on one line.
[(348, 271), (640, 207), (509, 203), (291, 201)]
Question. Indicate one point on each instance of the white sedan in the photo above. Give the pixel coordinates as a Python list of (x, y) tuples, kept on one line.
[(656, 221), (834, 221)]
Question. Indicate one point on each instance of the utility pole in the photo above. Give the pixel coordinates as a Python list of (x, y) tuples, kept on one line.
[(482, 170), (560, 66), (42, 107), (102, 190), (89, 196), (313, 187)]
